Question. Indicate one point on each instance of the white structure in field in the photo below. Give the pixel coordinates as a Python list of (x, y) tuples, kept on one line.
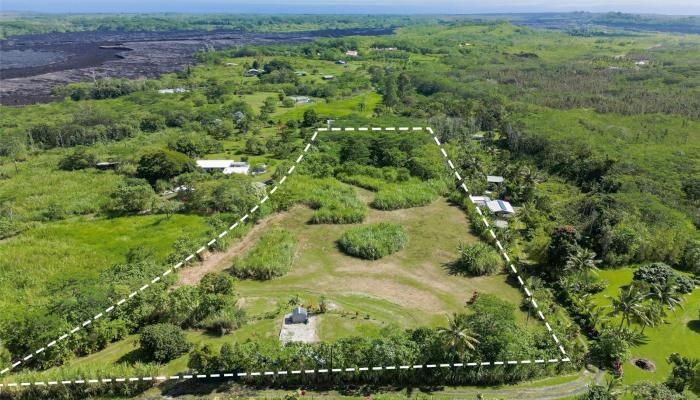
[(480, 200), (171, 91), (351, 53), (225, 166), (501, 208)]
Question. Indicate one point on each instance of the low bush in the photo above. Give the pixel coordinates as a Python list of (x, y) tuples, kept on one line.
[(479, 259), (398, 196), (163, 342), (271, 257), (373, 241), (660, 273)]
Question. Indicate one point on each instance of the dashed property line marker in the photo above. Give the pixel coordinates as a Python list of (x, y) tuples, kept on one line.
[(157, 278), (284, 178), (493, 235)]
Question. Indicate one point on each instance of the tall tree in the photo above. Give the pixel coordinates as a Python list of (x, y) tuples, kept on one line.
[(457, 336), (628, 304), (582, 262)]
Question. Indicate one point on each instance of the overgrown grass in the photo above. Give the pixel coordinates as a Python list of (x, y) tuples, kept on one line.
[(271, 257), (407, 195), (333, 202), (374, 241)]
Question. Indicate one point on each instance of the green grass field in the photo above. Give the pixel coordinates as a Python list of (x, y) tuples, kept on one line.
[(680, 332)]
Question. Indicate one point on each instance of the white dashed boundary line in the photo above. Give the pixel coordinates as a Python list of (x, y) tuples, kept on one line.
[(502, 250), (228, 375)]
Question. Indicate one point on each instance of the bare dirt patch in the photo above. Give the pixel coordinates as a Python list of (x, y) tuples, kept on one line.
[(306, 333), (219, 261)]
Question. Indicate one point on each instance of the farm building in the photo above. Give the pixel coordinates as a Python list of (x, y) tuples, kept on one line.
[(478, 136), (299, 315), (105, 165), (327, 77), (341, 62), (173, 90), (480, 200), (501, 208), (301, 99), (253, 72), (501, 224), (225, 166), (351, 53), (494, 179), (300, 73)]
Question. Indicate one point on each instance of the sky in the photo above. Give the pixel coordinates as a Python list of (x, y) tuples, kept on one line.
[(680, 7)]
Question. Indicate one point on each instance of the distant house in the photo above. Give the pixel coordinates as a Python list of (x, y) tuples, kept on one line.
[(642, 62), (231, 64), (385, 49), (328, 77), (501, 208), (173, 90), (299, 315), (253, 72), (300, 73), (478, 136), (301, 99), (226, 167), (341, 62), (495, 179), (351, 53), (480, 200), (105, 165)]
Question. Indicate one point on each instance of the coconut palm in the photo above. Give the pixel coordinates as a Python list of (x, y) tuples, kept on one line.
[(457, 336), (666, 293), (582, 262), (628, 304), (653, 315)]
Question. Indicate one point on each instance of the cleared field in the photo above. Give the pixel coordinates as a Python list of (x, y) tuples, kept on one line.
[(409, 288)]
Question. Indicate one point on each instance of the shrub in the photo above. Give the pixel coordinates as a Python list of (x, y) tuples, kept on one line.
[(479, 259), (163, 164), (397, 196), (134, 195), (610, 347), (271, 257), (225, 321), (79, 159), (163, 342), (373, 241), (660, 273)]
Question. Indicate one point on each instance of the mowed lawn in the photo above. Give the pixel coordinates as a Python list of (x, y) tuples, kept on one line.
[(410, 288), (81, 248), (680, 333)]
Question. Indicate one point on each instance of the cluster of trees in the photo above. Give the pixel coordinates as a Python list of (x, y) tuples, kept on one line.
[(373, 241), (103, 88)]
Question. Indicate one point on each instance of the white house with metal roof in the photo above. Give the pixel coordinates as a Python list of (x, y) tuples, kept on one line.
[(225, 166), (501, 208)]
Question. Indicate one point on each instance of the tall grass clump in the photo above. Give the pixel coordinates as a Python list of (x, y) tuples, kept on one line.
[(478, 259), (374, 241), (271, 257), (407, 195)]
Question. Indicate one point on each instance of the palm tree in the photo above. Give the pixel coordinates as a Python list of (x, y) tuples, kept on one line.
[(628, 304), (653, 315), (457, 336), (582, 262), (666, 294)]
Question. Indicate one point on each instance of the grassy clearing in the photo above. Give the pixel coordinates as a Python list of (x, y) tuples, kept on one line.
[(409, 288), (48, 254)]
